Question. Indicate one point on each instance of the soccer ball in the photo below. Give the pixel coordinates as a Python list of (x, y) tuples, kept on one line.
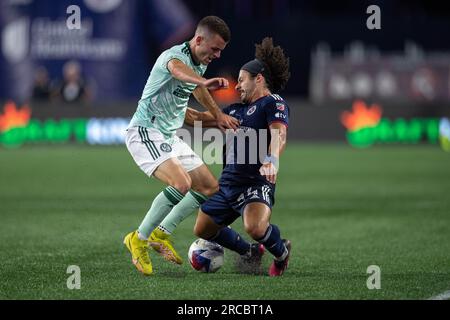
[(205, 256)]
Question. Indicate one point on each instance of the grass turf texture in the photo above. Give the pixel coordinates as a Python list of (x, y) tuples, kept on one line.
[(343, 209)]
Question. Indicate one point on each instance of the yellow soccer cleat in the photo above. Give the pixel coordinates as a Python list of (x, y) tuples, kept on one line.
[(161, 243), (139, 253)]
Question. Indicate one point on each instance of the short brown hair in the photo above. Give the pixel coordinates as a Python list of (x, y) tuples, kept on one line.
[(216, 25)]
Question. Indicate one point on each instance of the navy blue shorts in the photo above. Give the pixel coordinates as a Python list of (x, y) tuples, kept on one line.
[(229, 202)]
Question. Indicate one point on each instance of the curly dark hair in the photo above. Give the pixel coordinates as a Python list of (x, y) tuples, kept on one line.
[(275, 62)]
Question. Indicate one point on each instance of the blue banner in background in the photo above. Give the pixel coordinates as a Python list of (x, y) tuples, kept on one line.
[(108, 58)]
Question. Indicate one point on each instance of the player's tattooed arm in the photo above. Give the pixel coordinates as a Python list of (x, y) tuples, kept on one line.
[(270, 165), (205, 117)]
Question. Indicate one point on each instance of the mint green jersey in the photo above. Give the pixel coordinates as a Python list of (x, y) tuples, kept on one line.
[(164, 100)]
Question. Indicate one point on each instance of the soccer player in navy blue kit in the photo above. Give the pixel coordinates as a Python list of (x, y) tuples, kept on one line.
[(247, 187)]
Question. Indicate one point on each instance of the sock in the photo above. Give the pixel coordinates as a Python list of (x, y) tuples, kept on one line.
[(161, 206), (232, 240), (190, 203), (272, 241)]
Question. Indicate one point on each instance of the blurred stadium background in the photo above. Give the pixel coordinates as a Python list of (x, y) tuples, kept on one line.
[(365, 178)]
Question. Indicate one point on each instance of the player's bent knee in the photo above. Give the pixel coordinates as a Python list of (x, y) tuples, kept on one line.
[(200, 230), (210, 190), (214, 189), (182, 185), (255, 231), (204, 227)]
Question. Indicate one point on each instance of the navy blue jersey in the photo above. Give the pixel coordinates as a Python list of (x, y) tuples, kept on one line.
[(245, 149)]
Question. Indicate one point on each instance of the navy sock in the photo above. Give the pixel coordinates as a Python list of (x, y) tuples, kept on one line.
[(232, 240), (272, 241)]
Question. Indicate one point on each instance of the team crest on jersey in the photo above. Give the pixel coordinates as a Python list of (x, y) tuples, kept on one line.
[(165, 147), (280, 106), (251, 110)]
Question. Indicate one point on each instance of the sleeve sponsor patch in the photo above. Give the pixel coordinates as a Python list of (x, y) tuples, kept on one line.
[(280, 106)]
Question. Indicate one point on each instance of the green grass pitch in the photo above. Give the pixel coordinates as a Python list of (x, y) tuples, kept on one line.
[(343, 209)]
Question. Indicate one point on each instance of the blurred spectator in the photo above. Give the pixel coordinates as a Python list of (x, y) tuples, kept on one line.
[(117, 45), (41, 85), (73, 87)]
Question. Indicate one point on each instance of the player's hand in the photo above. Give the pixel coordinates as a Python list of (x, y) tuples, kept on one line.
[(216, 83), (225, 121), (269, 171)]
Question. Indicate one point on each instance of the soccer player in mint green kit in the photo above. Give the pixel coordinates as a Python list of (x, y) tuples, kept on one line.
[(155, 148)]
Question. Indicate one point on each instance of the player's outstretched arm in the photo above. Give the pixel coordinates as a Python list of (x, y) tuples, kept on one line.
[(223, 121), (205, 117), (269, 169), (182, 72)]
